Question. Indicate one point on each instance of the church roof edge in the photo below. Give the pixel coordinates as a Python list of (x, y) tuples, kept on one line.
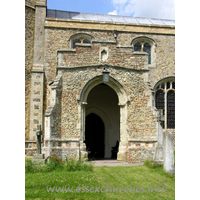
[(108, 18)]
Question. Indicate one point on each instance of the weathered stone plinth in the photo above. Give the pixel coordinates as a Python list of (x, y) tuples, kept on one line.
[(168, 153), (121, 155), (39, 158), (158, 157)]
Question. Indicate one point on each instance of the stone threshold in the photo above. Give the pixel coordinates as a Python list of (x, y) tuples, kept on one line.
[(112, 163)]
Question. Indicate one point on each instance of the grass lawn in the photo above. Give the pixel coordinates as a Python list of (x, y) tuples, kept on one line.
[(142, 178)]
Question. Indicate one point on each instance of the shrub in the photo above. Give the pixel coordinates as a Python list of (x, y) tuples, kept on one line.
[(28, 166), (31, 167), (53, 163), (78, 165)]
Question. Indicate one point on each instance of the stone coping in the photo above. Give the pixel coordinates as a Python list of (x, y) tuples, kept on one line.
[(104, 41), (109, 26), (108, 22), (102, 65), (66, 51), (124, 47)]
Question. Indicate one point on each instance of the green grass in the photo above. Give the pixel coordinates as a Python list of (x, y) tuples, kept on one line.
[(36, 183), (55, 164)]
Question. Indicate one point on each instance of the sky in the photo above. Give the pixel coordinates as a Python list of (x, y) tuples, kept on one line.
[(162, 9)]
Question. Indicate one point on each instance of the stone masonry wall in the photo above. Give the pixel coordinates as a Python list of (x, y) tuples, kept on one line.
[(141, 121), (165, 59), (91, 55), (141, 124), (30, 3), (58, 39), (29, 43), (80, 65)]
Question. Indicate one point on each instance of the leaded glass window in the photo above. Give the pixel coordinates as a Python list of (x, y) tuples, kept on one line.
[(74, 43), (160, 101), (173, 85), (144, 47), (168, 85), (81, 38), (137, 47), (148, 45), (165, 100), (147, 49), (171, 109)]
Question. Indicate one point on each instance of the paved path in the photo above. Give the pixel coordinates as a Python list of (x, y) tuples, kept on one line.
[(113, 163)]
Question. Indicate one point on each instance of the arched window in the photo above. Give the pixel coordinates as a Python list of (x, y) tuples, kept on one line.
[(165, 100), (145, 44), (81, 38)]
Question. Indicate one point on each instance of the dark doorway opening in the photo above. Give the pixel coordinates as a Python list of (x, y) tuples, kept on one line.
[(94, 136)]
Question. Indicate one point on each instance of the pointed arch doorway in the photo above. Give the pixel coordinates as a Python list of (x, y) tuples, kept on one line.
[(102, 123), (85, 106)]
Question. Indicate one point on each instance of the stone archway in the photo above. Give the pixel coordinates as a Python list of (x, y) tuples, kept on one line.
[(103, 101), (122, 102)]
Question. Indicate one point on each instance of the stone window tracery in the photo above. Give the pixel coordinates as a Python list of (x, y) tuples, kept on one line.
[(165, 100), (145, 44), (80, 38)]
